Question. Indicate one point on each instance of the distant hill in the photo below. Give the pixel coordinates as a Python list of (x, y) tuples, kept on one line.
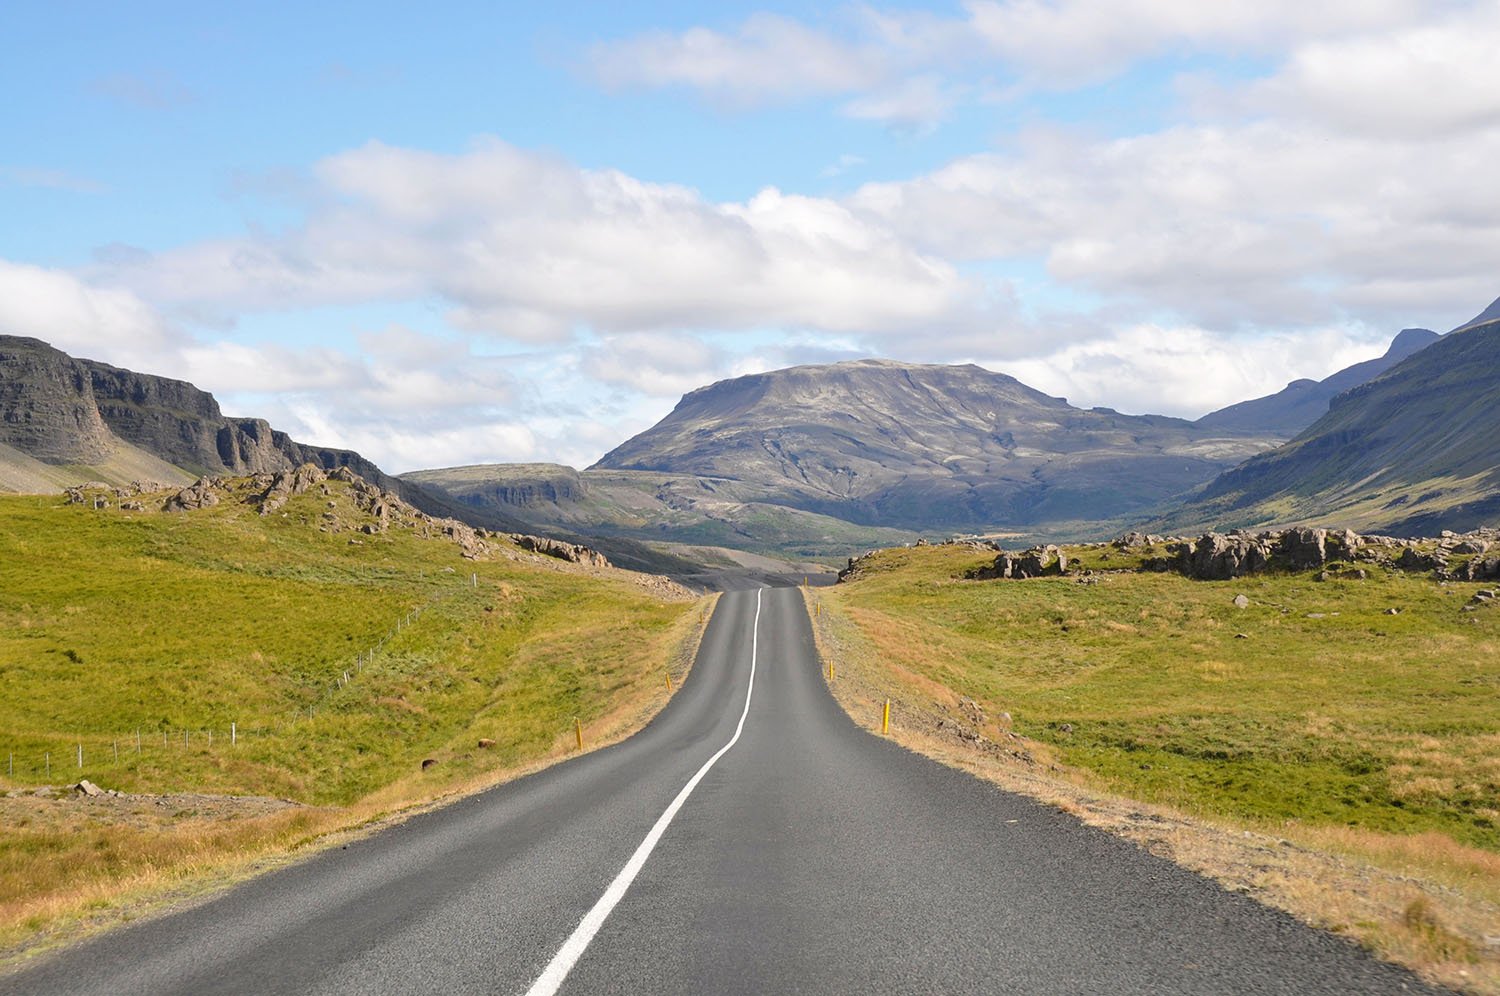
[(1303, 402), (928, 447), (816, 461), (1412, 452), (655, 508), (65, 420)]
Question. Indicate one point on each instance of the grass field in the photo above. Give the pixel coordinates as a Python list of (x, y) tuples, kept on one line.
[(1314, 713), (142, 636)]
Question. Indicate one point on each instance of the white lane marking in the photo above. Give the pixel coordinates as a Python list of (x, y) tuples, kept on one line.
[(567, 956)]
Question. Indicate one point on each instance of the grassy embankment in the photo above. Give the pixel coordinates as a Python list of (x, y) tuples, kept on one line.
[(1354, 754), (114, 623)]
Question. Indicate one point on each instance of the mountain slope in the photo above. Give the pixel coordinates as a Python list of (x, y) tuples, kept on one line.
[(1303, 402), (927, 447), (1414, 451), (650, 507), (65, 420)]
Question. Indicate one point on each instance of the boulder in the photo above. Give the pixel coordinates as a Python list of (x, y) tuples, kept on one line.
[(1303, 549), (286, 483), (1241, 602), (199, 494), (88, 788), (573, 553)]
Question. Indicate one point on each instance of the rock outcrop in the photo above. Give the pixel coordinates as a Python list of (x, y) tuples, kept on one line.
[(1335, 554), (200, 494), (571, 552)]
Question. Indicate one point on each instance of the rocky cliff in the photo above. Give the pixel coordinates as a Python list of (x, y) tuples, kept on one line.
[(61, 411)]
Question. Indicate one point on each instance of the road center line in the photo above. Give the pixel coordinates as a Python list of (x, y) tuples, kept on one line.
[(567, 956)]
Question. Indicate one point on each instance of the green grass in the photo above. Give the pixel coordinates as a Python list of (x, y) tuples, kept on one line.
[(123, 628), (114, 622), (1311, 705)]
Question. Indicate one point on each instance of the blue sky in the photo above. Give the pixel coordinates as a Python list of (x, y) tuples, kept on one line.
[(447, 233)]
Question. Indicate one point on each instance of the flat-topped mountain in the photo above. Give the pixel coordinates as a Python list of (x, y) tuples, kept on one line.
[(65, 420), (1412, 452), (928, 447), (1303, 402)]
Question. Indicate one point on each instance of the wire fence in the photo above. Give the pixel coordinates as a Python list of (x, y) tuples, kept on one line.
[(42, 758)]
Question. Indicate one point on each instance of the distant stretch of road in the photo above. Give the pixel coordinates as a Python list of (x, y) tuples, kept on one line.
[(750, 840)]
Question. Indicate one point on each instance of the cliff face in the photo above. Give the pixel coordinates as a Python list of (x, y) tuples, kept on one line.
[(66, 411), (47, 406)]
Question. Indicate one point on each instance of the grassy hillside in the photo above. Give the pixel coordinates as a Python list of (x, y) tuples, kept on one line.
[(648, 506), (141, 636), (1412, 452), (1314, 713), (22, 474)]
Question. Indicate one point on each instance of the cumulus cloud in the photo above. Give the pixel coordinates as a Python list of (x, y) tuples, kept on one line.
[(80, 318), (915, 104), (1186, 371), (531, 248), (1266, 223), (1054, 45), (766, 57), (1432, 79)]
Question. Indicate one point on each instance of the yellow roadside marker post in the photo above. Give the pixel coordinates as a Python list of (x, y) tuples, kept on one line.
[(578, 729), (885, 719), (669, 684)]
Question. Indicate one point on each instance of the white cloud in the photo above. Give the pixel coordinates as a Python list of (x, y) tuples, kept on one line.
[(1268, 223), (768, 57), (529, 248), (78, 318), (1431, 79), (1186, 372), (1049, 44), (915, 104)]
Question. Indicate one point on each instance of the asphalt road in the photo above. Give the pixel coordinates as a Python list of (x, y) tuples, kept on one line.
[(810, 857)]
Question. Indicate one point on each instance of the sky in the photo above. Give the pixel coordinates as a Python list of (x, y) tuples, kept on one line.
[(449, 233)]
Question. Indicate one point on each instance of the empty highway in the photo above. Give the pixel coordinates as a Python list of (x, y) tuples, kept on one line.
[(750, 840)]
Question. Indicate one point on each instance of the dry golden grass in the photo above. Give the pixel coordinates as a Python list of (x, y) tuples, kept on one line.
[(83, 867), (1422, 900)]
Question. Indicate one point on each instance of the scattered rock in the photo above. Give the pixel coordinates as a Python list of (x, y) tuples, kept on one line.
[(1066, 728), (1393, 611), (485, 743), (88, 788), (286, 483), (1241, 602), (1242, 636), (568, 551), (428, 762), (199, 494)]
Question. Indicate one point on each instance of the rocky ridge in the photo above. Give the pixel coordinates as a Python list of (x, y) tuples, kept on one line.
[(1213, 556), (379, 510)]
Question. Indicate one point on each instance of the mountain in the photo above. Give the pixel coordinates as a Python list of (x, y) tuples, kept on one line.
[(927, 447), (655, 508), (65, 420), (1412, 452), (1303, 402)]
